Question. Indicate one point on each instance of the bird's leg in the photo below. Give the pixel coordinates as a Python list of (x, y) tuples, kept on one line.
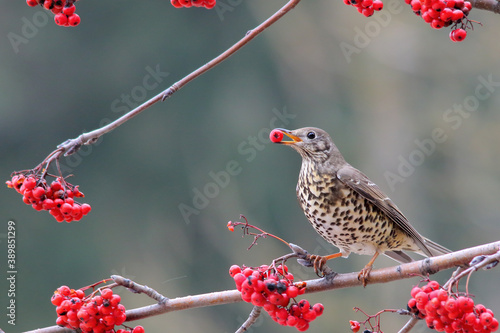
[(363, 275), (319, 262)]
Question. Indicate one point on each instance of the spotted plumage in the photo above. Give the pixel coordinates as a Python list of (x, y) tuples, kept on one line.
[(346, 208)]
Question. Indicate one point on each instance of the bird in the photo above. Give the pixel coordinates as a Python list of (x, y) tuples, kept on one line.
[(346, 208)]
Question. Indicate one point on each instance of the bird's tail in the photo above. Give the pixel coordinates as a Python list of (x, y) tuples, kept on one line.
[(435, 248)]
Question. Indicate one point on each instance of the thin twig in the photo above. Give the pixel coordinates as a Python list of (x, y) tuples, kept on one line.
[(483, 263), (252, 318), (383, 275), (139, 288)]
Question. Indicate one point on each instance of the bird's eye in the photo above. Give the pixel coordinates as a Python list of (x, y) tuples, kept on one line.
[(311, 135)]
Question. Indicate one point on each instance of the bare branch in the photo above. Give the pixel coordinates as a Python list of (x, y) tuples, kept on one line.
[(491, 5), (252, 317), (383, 275), (71, 146), (139, 288)]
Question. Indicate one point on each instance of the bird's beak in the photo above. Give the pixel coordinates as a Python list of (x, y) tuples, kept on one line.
[(289, 134)]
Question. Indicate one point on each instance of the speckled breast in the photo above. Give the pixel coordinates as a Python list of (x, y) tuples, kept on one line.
[(344, 218)]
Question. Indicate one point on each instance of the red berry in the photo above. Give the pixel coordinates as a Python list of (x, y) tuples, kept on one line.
[(480, 308), (437, 24), (115, 300), (38, 192), (442, 295), (64, 290), (377, 5), (412, 304), (439, 5), (86, 209), (29, 183), (458, 35), (434, 285), (302, 325), (275, 298), (258, 299), (427, 18), (138, 329), (238, 280), (446, 14), (269, 307), (355, 326), (276, 136), (57, 299), (291, 320), (470, 319), (494, 325), (451, 305), (61, 19), (304, 305), (318, 308), (415, 290), (457, 15), (422, 298), (234, 269), (66, 208), (292, 291), (47, 4), (309, 315), (70, 10), (368, 11), (74, 20), (486, 319), (106, 293), (48, 204), (282, 314)]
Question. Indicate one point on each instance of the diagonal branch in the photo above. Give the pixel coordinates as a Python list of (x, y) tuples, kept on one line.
[(383, 275), (72, 145)]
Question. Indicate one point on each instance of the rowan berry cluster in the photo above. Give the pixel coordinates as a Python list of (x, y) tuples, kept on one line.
[(57, 198), (208, 4), (450, 313), (273, 289), (93, 313), (366, 7), (443, 13), (64, 11)]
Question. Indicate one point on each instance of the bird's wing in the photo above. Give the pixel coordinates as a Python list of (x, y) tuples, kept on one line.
[(358, 181)]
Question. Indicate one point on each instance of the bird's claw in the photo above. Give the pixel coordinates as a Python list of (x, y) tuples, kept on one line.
[(363, 274), (316, 261)]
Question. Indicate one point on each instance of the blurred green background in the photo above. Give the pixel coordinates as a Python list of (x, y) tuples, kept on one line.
[(397, 87)]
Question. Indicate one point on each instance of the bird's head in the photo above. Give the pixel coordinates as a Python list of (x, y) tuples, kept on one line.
[(313, 144)]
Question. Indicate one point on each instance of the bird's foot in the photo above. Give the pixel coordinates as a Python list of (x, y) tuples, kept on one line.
[(318, 263), (363, 275)]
